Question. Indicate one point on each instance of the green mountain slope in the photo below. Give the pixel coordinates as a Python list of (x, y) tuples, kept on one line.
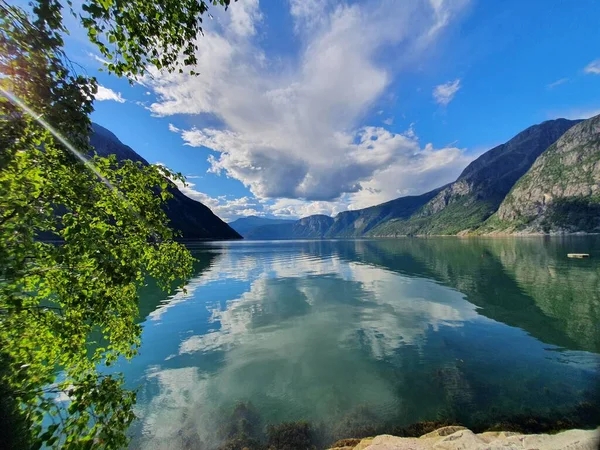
[(191, 218), (561, 191), (481, 187)]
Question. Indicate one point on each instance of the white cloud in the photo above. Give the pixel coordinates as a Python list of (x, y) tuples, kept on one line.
[(231, 209), (244, 15), (308, 14), (557, 83), (226, 209), (98, 59), (294, 208), (428, 169), (292, 129), (106, 94), (389, 121), (593, 67), (444, 93), (444, 11)]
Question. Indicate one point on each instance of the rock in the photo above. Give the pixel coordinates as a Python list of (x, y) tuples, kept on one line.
[(444, 431), (458, 438)]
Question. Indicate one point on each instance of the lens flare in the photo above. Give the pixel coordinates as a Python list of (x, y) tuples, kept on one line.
[(61, 139)]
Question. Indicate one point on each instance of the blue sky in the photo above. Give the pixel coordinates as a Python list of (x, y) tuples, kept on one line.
[(306, 106)]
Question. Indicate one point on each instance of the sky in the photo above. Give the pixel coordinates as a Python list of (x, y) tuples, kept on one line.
[(315, 106)]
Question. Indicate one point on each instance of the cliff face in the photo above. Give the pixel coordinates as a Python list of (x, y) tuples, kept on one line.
[(561, 191), (191, 218)]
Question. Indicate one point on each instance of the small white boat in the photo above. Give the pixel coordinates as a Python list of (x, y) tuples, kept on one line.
[(578, 255)]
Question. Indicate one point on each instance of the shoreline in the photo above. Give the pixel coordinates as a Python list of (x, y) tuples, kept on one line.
[(458, 437), (419, 236), (243, 428)]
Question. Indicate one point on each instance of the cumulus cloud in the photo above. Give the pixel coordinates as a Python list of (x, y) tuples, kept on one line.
[(294, 130), (294, 208), (427, 169), (308, 14), (593, 67), (226, 209), (444, 93), (244, 17), (106, 94)]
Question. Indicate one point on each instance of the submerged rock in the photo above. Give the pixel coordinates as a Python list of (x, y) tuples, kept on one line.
[(455, 438)]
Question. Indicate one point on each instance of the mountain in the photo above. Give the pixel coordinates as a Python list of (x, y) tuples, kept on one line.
[(244, 225), (481, 187), (561, 190), (460, 206), (311, 227), (191, 218), (363, 221)]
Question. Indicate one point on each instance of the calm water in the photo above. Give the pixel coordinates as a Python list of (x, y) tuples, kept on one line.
[(371, 332)]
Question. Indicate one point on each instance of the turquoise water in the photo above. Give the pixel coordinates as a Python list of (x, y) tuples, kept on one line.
[(368, 333)]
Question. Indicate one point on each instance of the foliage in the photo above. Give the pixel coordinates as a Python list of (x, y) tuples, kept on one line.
[(14, 427), (138, 33), (110, 233)]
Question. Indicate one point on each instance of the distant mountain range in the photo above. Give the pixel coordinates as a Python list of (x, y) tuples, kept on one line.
[(245, 224), (191, 218), (530, 184), (312, 227)]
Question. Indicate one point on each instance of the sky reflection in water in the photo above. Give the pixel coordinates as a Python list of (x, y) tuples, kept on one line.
[(388, 331)]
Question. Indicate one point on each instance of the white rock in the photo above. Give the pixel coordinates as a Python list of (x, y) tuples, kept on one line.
[(466, 439)]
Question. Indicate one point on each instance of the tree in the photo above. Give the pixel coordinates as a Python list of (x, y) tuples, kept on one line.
[(105, 216), (135, 33)]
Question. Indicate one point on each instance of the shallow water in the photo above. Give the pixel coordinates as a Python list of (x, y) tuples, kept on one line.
[(348, 334)]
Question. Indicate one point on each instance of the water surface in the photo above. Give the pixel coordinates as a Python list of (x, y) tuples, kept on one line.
[(350, 334)]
